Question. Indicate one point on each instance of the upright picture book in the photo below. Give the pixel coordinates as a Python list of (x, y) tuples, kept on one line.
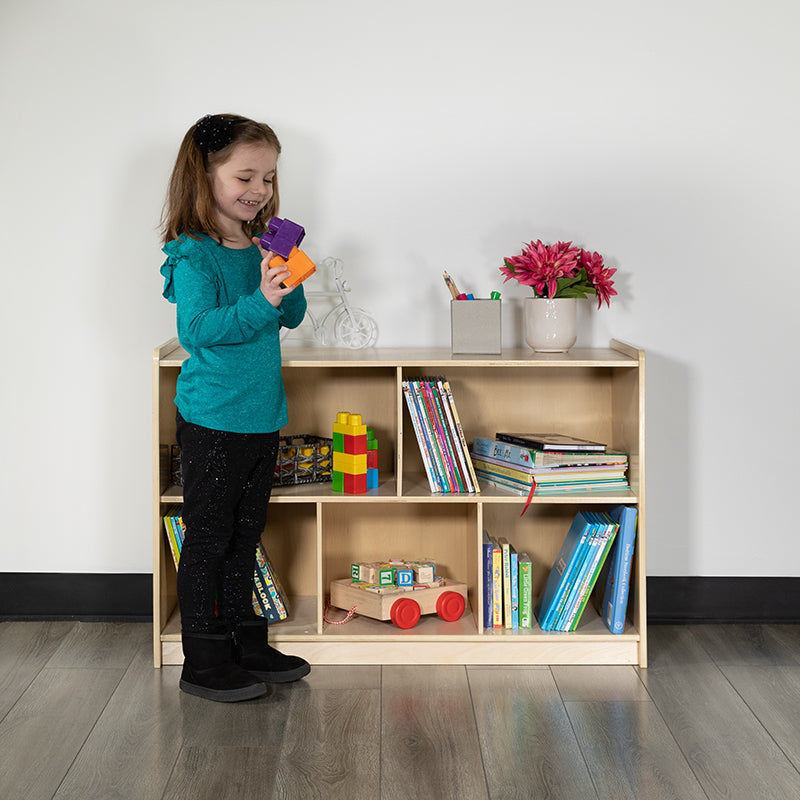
[(437, 427), (507, 585), (574, 573), (613, 584)]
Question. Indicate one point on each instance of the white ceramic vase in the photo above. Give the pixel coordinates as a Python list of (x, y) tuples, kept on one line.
[(551, 326)]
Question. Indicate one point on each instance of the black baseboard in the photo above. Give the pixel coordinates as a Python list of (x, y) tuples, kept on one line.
[(128, 597), (86, 596), (684, 600)]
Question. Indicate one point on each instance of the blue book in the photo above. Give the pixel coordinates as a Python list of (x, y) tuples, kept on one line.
[(514, 589), (487, 548), (512, 454), (614, 583), (608, 531), (584, 559), (563, 568)]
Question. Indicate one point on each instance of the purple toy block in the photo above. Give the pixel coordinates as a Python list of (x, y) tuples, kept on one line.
[(282, 236)]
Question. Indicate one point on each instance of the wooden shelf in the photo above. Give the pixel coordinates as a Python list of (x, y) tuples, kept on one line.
[(313, 534)]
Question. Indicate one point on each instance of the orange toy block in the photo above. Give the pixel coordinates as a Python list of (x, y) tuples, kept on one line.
[(299, 265)]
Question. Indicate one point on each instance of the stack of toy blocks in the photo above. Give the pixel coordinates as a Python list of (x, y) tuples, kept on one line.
[(372, 460), (355, 455)]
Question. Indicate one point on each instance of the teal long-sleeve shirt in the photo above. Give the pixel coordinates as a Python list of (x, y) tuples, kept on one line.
[(232, 378)]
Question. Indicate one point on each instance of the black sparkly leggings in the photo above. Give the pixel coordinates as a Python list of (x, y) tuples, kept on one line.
[(227, 480)]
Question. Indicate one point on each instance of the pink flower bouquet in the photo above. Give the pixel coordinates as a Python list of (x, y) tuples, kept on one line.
[(561, 270)]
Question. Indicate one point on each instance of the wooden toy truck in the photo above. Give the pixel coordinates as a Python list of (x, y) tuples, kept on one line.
[(402, 607)]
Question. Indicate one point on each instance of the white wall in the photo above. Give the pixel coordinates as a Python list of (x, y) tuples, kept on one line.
[(417, 136)]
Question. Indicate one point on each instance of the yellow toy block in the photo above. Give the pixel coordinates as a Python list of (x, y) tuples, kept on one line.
[(350, 464), (349, 424)]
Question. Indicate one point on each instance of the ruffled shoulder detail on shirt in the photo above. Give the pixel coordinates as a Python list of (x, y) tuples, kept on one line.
[(177, 250)]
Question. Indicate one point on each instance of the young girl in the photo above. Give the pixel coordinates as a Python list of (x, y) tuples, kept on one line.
[(230, 396)]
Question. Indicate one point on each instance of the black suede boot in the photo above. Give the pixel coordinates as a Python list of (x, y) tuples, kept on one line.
[(209, 671), (251, 651)]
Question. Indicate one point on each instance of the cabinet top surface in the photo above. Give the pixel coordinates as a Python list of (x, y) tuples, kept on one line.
[(617, 355)]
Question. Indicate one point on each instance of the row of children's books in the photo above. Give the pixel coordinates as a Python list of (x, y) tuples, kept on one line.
[(596, 556), (512, 462), (507, 585), (594, 561), (440, 437), (269, 598)]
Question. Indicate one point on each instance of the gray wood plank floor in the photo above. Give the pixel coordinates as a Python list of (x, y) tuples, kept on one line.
[(84, 715)]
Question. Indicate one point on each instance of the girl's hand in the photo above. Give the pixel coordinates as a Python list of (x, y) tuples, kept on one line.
[(271, 277)]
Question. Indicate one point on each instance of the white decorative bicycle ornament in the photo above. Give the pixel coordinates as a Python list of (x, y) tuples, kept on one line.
[(352, 327)]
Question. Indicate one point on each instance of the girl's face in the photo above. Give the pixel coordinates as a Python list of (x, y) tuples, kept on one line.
[(242, 185)]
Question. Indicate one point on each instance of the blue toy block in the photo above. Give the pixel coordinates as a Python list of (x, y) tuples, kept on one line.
[(372, 479)]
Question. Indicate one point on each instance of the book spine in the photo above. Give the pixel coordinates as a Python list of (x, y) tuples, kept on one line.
[(548, 447), (514, 589), (525, 591), (267, 573), (589, 587), (487, 582), (503, 451), (505, 549), (570, 570), (497, 586), (430, 434), (506, 472), (262, 602), (501, 484), (461, 454), (424, 449), (588, 572), (584, 487), (463, 439), (576, 574), (617, 596), (443, 430), (172, 539)]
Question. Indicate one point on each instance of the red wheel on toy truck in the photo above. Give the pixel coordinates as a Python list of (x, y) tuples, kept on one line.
[(405, 613), (450, 606)]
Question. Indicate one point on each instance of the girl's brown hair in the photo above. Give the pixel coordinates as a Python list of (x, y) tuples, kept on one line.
[(189, 207)]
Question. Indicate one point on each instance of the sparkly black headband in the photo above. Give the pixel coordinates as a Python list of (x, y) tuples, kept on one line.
[(213, 132)]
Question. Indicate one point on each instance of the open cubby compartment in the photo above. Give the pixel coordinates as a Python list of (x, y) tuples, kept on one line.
[(317, 393), (589, 402), (379, 531), (290, 540), (540, 533)]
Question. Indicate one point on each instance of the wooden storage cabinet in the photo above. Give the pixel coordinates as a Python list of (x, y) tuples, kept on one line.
[(313, 535)]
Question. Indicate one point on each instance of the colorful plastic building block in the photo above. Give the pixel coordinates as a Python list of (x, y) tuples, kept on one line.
[(350, 467), (372, 460), (283, 238)]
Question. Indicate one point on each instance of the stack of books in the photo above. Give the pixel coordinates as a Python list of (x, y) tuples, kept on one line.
[(507, 585), (580, 562), (548, 464), (440, 437), (269, 598)]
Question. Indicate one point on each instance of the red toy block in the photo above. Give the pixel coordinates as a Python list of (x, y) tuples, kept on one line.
[(355, 445), (372, 459), (355, 484)]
